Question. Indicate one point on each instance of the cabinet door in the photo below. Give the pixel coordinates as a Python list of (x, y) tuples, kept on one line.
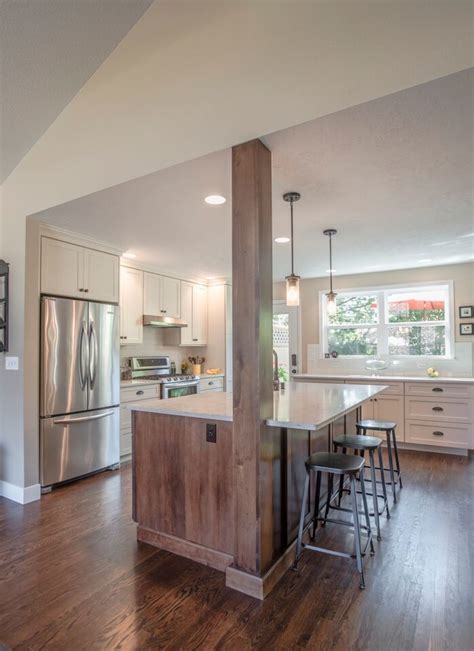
[(199, 314), (170, 297), (367, 409), (187, 313), (151, 294), (392, 408), (62, 268), (101, 276), (131, 306)]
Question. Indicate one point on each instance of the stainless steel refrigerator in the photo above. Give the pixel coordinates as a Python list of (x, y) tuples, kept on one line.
[(80, 389)]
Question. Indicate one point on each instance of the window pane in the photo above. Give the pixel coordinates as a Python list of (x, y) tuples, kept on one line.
[(353, 341), (417, 340), (281, 339), (426, 305), (355, 309)]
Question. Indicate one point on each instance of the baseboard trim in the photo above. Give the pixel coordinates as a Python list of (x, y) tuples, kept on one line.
[(20, 494), (438, 449), (260, 586), (204, 555)]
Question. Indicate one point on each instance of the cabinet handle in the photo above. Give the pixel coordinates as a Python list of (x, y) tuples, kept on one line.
[(81, 289), (125, 337), (194, 339), (437, 409), (86, 290), (437, 389), (210, 383), (140, 392), (438, 433)]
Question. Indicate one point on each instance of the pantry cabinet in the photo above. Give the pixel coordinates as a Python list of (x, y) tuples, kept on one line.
[(78, 272), (162, 295), (194, 312), (131, 306)]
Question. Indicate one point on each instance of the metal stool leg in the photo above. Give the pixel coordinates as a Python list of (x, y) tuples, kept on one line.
[(374, 494), (316, 504), (358, 545), (384, 486), (341, 483), (328, 499), (390, 463), (395, 449), (299, 541), (366, 509)]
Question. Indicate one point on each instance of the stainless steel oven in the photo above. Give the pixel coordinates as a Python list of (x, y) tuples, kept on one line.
[(179, 388)]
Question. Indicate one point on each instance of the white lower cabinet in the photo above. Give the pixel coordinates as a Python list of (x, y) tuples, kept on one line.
[(388, 408), (213, 383), (128, 395)]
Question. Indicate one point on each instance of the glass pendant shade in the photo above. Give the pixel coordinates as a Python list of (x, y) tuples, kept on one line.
[(331, 302), (293, 290)]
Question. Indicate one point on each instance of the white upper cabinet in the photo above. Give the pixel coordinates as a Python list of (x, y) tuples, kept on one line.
[(194, 312), (71, 270), (162, 296), (62, 268), (131, 306), (101, 276)]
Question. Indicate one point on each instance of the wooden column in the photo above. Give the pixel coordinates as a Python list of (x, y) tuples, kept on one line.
[(252, 360)]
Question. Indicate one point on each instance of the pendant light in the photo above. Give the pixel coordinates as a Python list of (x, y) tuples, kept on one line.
[(292, 281), (331, 296)]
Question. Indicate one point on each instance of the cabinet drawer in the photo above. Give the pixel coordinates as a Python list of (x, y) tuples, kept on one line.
[(211, 384), (438, 390), (132, 394), (393, 388), (449, 435), (456, 411)]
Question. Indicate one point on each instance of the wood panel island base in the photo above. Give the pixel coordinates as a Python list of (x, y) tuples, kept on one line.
[(184, 474)]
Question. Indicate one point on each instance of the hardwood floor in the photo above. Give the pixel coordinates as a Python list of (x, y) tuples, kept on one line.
[(73, 577)]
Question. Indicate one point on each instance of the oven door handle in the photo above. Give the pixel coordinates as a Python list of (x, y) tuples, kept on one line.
[(180, 385)]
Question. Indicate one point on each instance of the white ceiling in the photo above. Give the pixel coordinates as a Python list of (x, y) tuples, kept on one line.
[(393, 175), (48, 50)]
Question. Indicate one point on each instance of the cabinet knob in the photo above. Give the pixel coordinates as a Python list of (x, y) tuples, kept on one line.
[(210, 383), (86, 290), (81, 289)]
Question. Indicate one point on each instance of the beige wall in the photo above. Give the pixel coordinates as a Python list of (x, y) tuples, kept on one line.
[(462, 276)]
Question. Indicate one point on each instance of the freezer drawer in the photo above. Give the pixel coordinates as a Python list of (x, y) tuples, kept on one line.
[(76, 445)]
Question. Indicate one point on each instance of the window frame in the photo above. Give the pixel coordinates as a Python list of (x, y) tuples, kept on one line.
[(381, 292)]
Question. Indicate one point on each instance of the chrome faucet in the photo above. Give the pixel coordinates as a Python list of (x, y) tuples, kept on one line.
[(276, 379)]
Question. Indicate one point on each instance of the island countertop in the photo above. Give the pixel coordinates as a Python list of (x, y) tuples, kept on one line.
[(303, 406), (380, 377)]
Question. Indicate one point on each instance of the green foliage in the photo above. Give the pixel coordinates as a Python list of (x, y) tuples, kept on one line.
[(355, 309), (282, 374)]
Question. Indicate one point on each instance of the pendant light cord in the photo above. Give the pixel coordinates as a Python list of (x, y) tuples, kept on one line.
[(292, 240), (330, 262)]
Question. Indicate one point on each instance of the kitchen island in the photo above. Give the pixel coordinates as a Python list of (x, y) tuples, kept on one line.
[(183, 471)]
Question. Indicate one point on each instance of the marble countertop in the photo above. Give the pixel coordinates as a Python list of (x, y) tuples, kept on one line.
[(136, 383), (381, 378), (304, 406)]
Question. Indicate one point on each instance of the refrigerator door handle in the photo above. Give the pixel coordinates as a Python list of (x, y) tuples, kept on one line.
[(93, 352), (81, 419), (82, 350)]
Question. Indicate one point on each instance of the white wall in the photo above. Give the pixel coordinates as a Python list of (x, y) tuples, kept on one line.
[(191, 78), (462, 276)]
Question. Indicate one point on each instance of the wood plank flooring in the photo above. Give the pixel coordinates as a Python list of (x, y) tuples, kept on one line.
[(72, 577)]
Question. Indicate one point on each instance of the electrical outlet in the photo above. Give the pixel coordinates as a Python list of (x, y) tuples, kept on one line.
[(211, 433), (11, 363)]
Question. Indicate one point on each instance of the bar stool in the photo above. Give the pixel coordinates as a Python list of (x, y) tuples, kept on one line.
[(332, 464), (363, 443), (389, 428)]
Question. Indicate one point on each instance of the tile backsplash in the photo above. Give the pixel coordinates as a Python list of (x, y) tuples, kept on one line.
[(461, 364), (158, 341)]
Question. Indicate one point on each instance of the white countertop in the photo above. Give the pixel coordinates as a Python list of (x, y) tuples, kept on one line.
[(305, 406), (381, 378), (136, 383)]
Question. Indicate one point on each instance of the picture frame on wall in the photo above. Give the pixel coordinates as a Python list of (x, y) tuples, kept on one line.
[(466, 311), (466, 328)]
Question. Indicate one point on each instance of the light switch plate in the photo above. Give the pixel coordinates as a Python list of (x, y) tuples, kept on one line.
[(11, 363)]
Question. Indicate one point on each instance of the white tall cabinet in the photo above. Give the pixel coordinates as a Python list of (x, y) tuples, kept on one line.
[(131, 306), (78, 272)]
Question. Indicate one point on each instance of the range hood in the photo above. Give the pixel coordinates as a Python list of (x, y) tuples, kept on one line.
[(163, 321)]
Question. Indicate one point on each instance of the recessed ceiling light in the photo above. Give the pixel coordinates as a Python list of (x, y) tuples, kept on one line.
[(129, 255), (330, 271), (215, 199), (425, 260), (282, 240)]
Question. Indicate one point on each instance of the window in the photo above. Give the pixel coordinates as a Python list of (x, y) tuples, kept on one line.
[(395, 321)]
